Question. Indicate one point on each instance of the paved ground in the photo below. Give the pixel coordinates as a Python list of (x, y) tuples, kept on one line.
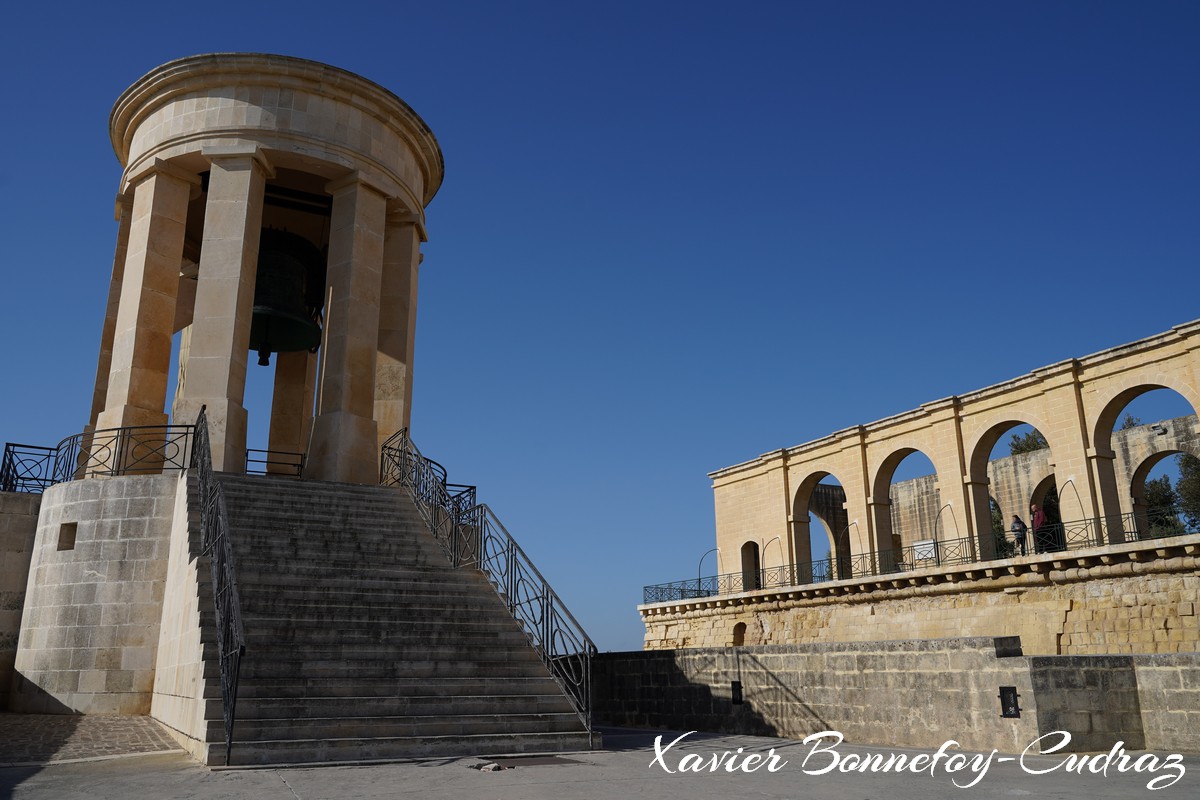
[(52, 738), (627, 768)]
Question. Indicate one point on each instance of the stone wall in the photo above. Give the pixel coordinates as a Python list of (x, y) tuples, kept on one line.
[(182, 694), (908, 693), (1169, 696), (90, 630), (18, 525), (1138, 598), (1093, 697), (916, 694)]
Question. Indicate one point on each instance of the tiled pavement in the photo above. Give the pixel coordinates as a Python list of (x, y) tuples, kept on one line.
[(55, 738)]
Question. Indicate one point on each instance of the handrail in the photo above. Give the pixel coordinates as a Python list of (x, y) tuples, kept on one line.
[(216, 544), (472, 536), (27, 468), (1053, 538), (274, 462), (107, 453)]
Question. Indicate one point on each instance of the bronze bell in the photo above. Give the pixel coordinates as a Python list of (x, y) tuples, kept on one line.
[(288, 295)]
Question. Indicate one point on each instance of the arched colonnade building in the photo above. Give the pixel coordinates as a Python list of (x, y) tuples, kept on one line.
[(763, 505)]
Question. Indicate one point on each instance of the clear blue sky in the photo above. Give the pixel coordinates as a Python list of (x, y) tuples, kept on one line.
[(672, 236)]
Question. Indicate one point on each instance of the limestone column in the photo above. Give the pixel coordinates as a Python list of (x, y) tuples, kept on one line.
[(216, 362), (979, 493), (397, 323), (292, 403), (124, 216), (141, 353), (1102, 464), (801, 545), (881, 512), (344, 436)]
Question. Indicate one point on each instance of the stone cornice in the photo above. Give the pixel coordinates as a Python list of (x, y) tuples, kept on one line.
[(1176, 554), (187, 75), (1060, 372)]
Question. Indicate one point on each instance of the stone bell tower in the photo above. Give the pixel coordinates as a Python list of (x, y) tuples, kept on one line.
[(275, 205)]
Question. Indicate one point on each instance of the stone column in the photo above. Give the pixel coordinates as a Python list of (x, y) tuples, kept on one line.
[(292, 403), (397, 323), (344, 436), (1102, 463), (980, 494), (881, 512), (141, 353), (216, 362), (124, 216), (801, 546)]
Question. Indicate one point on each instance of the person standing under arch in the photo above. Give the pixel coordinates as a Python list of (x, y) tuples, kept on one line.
[(1019, 529), (1042, 541)]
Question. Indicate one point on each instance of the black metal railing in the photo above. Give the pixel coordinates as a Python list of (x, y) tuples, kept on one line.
[(474, 537), (142, 450), (231, 638), (27, 468), (107, 453), (274, 462), (1052, 538), (113, 452)]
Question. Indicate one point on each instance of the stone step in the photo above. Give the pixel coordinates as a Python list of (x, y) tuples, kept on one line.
[(249, 730), (401, 635), (327, 751), (387, 653), (421, 665), (398, 640), (276, 487), (298, 524), (361, 687), (281, 560), (410, 605), (367, 575), (366, 597), (285, 630), (256, 574), (292, 518), (380, 533), (412, 705)]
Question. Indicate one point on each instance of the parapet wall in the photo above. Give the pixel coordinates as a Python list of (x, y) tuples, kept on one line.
[(928, 691), (18, 525), (89, 635), (1138, 598)]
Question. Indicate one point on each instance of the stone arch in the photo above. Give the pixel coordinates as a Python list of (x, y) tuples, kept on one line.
[(1148, 521), (829, 507), (739, 634), (1046, 489), (881, 502), (1053, 537), (751, 567), (979, 483), (1111, 409), (1103, 461)]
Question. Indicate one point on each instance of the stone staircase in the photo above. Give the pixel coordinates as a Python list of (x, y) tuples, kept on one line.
[(362, 642)]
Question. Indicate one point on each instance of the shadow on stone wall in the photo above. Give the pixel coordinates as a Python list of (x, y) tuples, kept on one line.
[(27, 697), (916, 693), (651, 690), (1093, 697)]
